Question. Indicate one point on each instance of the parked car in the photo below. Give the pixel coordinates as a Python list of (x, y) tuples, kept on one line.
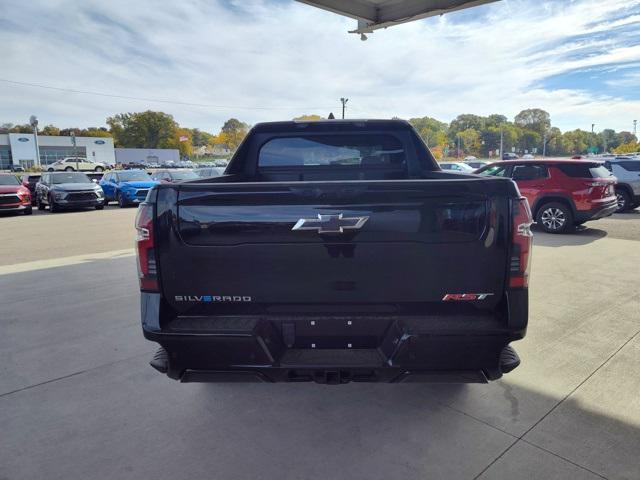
[(509, 156), (29, 180), (171, 176), (60, 190), (459, 167), (627, 171), (338, 252), (135, 165), (95, 176), (17, 168), (562, 193), (528, 156), (221, 163), (14, 197), (127, 187), (208, 172), (72, 164), (475, 164)]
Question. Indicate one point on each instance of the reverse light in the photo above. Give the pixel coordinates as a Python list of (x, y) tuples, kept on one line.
[(147, 272), (522, 239)]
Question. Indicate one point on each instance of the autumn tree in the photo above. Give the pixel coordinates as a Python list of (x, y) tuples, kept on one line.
[(183, 141), (232, 133), (11, 128), (432, 131), (50, 130), (308, 118), (630, 147), (534, 119), (200, 138), (143, 130), (470, 141)]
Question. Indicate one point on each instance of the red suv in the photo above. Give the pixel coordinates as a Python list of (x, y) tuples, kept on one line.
[(561, 193), (13, 196)]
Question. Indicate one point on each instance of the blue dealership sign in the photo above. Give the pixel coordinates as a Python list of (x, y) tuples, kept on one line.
[(100, 142), (23, 139)]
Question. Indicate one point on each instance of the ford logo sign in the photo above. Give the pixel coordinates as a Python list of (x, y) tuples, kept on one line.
[(23, 139), (100, 142)]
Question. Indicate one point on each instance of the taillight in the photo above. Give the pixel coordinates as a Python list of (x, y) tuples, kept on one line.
[(522, 240), (147, 272)]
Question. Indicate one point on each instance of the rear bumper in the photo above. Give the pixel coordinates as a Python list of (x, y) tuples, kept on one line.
[(381, 349), (601, 211)]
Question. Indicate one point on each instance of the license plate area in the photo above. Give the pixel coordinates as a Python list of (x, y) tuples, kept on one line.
[(335, 332)]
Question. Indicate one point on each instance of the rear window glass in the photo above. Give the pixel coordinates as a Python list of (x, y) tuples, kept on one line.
[(494, 171), (529, 172), (630, 166), (584, 170), (333, 151)]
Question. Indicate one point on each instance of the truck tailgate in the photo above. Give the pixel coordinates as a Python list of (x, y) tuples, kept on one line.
[(280, 244)]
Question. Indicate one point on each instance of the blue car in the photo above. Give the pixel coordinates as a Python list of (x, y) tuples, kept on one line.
[(127, 187)]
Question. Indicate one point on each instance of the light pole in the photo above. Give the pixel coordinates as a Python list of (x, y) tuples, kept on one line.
[(591, 139), (501, 142), (344, 104), (73, 142), (33, 121), (635, 128), (458, 149), (544, 144)]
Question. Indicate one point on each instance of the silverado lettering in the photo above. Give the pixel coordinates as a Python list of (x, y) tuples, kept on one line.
[(211, 298), (348, 236)]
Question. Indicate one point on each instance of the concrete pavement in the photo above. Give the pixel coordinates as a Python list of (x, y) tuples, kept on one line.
[(78, 399)]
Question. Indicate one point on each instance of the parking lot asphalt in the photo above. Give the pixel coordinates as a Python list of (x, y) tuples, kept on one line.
[(78, 399)]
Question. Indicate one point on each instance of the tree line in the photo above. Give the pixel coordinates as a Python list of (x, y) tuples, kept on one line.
[(467, 134), (149, 130)]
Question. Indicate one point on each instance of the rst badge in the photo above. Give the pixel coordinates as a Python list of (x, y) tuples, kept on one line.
[(465, 297)]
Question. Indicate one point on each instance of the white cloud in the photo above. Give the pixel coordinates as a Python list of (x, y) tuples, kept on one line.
[(288, 59)]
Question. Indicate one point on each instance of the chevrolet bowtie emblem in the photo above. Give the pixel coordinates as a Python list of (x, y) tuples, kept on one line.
[(330, 223)]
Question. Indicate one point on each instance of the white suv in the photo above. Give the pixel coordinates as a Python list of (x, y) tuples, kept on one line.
[(627, 170), (71, 164)]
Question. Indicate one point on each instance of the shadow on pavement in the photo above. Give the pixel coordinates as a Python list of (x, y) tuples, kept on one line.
[(581, 236)]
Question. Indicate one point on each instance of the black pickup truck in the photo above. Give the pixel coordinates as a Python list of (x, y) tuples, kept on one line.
[(334, 251)]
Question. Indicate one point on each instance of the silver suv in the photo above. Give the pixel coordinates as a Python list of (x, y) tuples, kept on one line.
[(627, 170)]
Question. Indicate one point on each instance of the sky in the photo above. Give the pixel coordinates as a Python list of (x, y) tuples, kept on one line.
[(204, 61)]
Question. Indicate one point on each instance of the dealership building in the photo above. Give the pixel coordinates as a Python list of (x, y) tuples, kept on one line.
[(21, 149)]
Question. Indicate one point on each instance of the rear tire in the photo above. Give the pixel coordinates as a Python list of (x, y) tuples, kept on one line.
[(28, 210), (99, 207), (121, 201), (69, 169), (99, 169), (555, 217), (39, 203), (624, 200)]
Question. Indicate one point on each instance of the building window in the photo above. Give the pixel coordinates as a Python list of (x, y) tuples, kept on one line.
[(5, 157), (49, 155)]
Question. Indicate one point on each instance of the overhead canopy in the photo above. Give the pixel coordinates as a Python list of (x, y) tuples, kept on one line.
[(374, 14)]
